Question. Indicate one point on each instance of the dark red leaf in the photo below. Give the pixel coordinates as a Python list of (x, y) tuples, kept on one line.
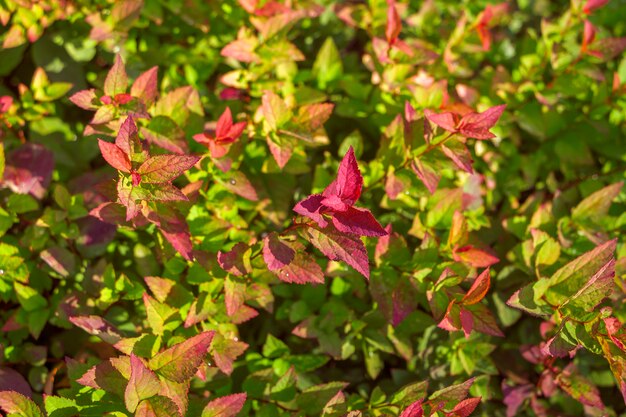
[(233, 260), (310, 207), (349, 181), (359, 222), (289, 261), (340, 247), (414, 410), (465, 407)]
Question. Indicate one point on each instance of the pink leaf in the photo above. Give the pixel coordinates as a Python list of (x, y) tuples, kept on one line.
[(478, 289), (180, 362), (227, 406), (339, 247), (114, 156), (85, 99), (592, 5), (589, 35), (242, 50), (116, 81), (164, 168), (238, 183), (143, 383), (394, 24), (290, 264), (145, 86), (224, 124), (5, 103), (234, 295), (477, 125), (281, 153), (475, 257)]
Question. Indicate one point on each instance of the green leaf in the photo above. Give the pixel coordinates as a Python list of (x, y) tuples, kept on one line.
[(327, 66), (116, 81), (60, 406), (157, 406), (274, 348), (596, 205), (29, 298)]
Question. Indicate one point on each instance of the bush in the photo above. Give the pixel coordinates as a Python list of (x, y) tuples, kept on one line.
[(312, 208)]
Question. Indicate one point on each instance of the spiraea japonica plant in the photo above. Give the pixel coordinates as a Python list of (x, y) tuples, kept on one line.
[(312, 208)]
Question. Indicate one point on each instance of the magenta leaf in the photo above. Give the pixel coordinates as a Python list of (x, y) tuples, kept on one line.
[(14, 403), (289, 261), (28, 170), (145, 86), (446, 121), (227, 406), (164, 168), (114, 156), (349, 181), (337, 246), (592, 5), (116, 81), (143, 384), (180, 362)]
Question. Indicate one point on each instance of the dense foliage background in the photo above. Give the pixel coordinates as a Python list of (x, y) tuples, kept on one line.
[(312, 208)]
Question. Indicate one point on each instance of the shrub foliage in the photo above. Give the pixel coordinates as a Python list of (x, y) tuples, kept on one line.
[(312, 208)]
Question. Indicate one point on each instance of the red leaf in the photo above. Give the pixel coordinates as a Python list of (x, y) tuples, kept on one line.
[(479, 288), (359, 222), (290, 264), (227, 406), (143, 384), (224, 124), (6, 102), (592, 5), (85, 99), (116, 81), (414, 410), (477, 258), (484, 321), (180, 362), (339, 247), (145, 86), (114, 156), (477, 125), (465, 407), (394, 24), (164, 168), (175, 229)]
